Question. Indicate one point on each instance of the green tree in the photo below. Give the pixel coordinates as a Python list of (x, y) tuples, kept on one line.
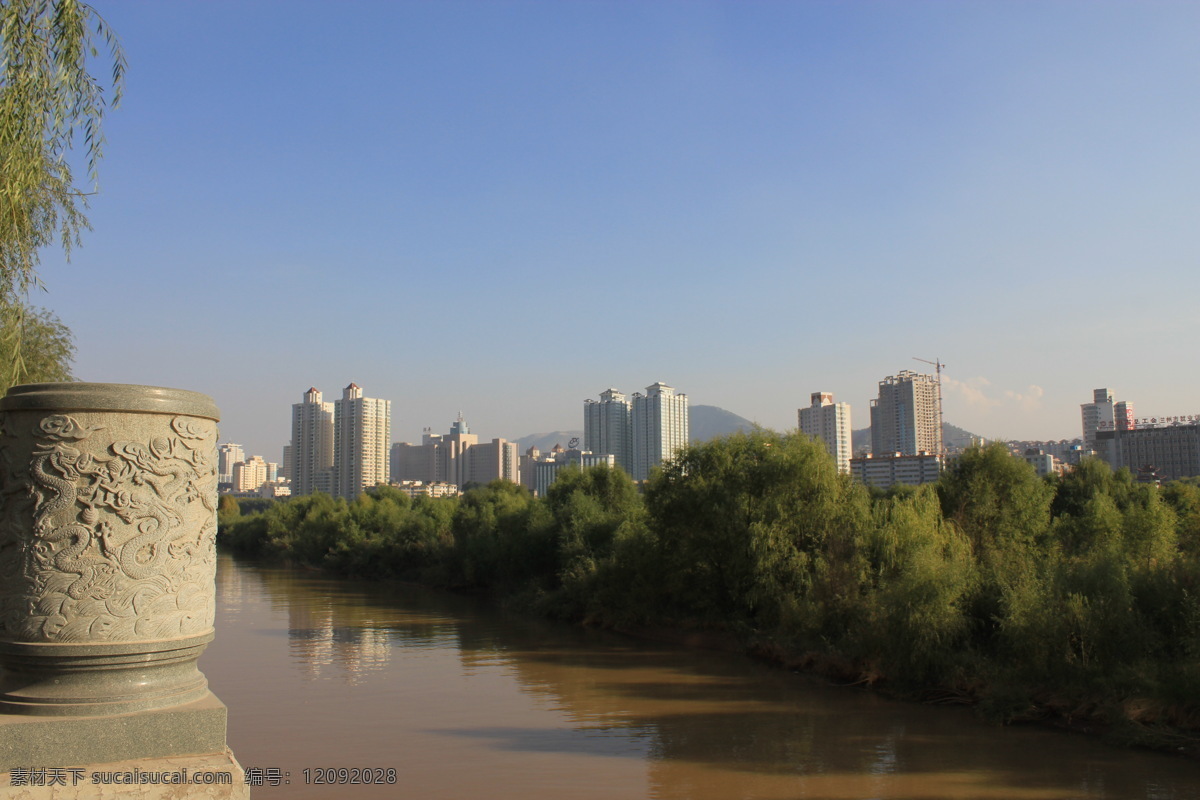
[(1096, 524), (589, 506), (1184, 497), (228, 510), (1090, 478), (998, 501), (920, 572), (500, 541), (746, 523), (592, 510), (1149, 530), (35, 346), (48, 96), (1003, 508)]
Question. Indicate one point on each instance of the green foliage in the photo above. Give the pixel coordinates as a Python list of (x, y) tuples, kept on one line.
[(228, 511), (1094, 524), (500, 537), (591, 510), (998, 501), (255, 505), (921, 572), (47, 97), (1149, 529), (35, 346), (1184, 499), (380, 534), (744, 522), (1090, 479), (589, 506), (1102, 611)]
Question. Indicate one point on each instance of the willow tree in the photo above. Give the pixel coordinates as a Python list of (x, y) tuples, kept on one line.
[(51, 113), (35, 346)]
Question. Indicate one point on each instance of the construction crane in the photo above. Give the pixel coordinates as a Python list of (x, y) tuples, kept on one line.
[(937, 363)]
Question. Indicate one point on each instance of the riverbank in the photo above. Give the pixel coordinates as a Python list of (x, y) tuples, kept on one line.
[(1137, 723)]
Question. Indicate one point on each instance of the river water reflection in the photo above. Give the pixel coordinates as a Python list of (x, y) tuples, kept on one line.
[(464, 702)]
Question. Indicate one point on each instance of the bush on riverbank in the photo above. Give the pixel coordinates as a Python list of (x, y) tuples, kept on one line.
[(382, 534), (1073, 596)]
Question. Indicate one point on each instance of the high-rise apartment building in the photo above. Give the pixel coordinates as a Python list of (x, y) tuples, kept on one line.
[(906, 417), (454, 447), (362, 431), (309, 463), (228, 454), (1098, 414), (608, 427), (829, 422), (660, 427)]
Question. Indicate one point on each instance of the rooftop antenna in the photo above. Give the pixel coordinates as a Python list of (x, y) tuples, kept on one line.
[(937, 363)]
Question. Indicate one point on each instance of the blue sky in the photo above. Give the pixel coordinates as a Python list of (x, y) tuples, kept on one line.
[(505, 208)]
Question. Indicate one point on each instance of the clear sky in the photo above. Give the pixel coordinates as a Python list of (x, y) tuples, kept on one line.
[(505, 208)]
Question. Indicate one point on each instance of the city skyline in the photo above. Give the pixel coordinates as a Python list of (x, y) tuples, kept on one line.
[(763, 198), (904, 414)]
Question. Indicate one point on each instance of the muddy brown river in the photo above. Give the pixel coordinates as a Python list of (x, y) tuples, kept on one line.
[(416, 694)]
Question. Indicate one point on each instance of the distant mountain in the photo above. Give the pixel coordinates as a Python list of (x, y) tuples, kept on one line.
[(955, 438), (546, 441), (709, 422)]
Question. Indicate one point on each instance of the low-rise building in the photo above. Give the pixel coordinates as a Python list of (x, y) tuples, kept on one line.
[(1043, 463), (427, 489), (275, 488), (1167, 447), (250, 474), (882, 472), (546, 469)]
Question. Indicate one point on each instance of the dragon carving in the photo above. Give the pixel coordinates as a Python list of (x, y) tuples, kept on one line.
[(123, 531)]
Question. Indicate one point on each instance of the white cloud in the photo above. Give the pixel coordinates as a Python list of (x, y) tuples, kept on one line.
[(977, 394), (1029, 400), (972, 391)]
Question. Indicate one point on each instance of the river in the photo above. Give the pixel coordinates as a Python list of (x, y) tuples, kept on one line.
[(461, 701)]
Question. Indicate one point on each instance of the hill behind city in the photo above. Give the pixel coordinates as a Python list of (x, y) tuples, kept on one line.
[(704, 422)]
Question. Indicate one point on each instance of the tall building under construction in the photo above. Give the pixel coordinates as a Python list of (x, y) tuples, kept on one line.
[(905, 418)]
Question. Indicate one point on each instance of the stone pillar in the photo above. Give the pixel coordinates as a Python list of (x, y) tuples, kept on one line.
[(107, 559)]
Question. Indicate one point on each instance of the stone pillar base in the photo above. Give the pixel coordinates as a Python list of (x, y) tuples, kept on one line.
[(214, 776), (33, 742)]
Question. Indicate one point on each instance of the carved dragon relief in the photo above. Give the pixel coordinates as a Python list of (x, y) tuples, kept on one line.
[(122, 546)]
